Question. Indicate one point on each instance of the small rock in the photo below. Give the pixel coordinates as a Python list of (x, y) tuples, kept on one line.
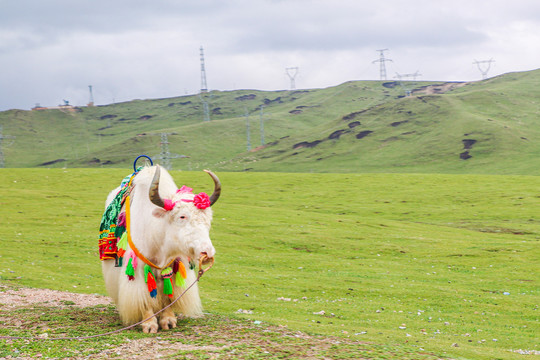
[(322, 312), (455, 345), (241, 311)]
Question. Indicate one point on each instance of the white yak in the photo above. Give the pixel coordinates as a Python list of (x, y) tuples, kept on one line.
[(165, 223)]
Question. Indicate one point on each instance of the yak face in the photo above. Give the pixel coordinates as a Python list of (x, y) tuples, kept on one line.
[(186, 218), (187, 227)]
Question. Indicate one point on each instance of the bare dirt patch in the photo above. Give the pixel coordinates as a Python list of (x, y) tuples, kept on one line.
[(468, 143), (352, 115), (336, 134), (245, 97), (10, 298), (465, 155), (363, 134), (439, 88), (306, 144), (397, 123)]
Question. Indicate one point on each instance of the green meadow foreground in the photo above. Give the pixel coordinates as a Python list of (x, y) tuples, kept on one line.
[(421, 266)]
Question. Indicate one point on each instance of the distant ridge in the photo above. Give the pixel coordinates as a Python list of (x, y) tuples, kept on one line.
[(488, 126)]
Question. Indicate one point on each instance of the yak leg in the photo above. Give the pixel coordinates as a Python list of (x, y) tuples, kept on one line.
[(151, 325), (168, 319)]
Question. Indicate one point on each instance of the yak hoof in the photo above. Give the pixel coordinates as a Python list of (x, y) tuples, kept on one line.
[(150, 326), (167, 322)]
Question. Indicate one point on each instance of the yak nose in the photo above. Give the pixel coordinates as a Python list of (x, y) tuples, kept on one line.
[(209, 252)]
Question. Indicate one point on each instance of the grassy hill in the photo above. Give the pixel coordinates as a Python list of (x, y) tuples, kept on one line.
[(360, 126), (485, 127)]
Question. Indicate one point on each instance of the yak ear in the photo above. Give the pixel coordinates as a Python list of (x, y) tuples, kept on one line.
[(159, 212)]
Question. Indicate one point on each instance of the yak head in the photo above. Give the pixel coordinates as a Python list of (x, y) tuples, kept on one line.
[(186, 218)]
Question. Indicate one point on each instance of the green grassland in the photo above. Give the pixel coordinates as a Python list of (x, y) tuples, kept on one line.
[(112, 135), (424, 133), (417, 263), (486, 127)]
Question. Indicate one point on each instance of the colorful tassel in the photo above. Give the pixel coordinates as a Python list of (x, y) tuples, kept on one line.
[(122, 245), (150, 281), (131, 266), (180, 270), (135, 259), (167, 274), (180, 281)]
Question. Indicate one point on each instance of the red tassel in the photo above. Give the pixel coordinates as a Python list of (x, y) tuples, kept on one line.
[(151, 282)]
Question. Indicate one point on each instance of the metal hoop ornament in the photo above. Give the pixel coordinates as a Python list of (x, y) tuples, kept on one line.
[(138, 157)]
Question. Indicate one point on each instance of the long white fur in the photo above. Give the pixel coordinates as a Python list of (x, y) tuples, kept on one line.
[(160, 236)]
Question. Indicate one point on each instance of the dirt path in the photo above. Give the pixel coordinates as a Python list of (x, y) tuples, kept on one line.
[(12, 298)]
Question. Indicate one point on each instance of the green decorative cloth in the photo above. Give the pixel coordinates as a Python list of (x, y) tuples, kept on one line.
[(112, 225)]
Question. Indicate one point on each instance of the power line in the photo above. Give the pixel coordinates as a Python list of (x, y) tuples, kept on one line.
[(483, 70), (381, 60)]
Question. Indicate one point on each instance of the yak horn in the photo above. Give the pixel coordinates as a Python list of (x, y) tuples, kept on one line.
[(154, 189), (217, 187)]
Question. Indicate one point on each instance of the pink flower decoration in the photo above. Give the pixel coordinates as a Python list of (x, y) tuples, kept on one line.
[(201, 201), (184, 189), (168, 204)]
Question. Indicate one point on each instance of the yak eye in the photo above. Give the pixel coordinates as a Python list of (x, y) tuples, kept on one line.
[(182, 216)]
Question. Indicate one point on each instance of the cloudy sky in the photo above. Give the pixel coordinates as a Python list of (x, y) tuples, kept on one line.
[(52, 50)]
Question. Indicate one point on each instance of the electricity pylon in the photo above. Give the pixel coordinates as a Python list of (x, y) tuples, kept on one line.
[(400, 77), (483, 70), (165, 155), (291, 73), (204, 89), (381, 60)]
